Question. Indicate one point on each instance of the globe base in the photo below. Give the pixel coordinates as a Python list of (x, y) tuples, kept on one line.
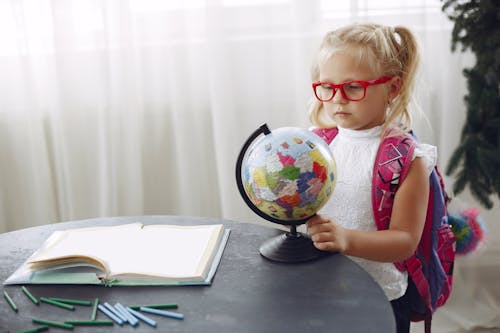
[(291, 247)]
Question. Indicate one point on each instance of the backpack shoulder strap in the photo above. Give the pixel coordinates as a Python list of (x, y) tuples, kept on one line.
[(327, 134), (391, 166)]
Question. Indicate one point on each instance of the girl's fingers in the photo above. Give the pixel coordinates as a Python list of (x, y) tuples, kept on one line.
[(317, 220), (325, 246), (318, 228), (326, 226), (322, 237)]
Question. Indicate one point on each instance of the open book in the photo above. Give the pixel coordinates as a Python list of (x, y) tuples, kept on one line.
[(130, 254)]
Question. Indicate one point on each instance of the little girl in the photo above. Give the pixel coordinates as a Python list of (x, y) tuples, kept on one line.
[(362, 80)]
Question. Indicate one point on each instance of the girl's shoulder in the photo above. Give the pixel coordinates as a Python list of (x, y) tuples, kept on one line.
[(398, 133)]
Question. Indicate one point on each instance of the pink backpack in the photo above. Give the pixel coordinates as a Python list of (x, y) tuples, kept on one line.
[(431, 266)]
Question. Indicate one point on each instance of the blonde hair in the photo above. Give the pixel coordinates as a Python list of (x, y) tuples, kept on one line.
[(389, 51)]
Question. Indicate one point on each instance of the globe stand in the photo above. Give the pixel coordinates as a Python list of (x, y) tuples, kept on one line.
[(291, 247)]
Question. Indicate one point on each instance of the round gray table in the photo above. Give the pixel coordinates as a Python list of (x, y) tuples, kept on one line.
[(249, 293)]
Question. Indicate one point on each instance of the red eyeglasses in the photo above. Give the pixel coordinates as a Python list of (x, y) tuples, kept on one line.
[(352, 90)]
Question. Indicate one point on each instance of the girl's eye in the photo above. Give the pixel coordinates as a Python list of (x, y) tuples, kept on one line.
[(353, 86)]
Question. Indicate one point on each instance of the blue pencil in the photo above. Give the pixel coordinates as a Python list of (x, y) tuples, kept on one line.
[(163, 313), (115, 312), (110, 314), (142, 317), (131, 319)]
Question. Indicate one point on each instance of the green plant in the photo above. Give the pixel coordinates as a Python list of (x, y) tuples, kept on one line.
[(476, 161)]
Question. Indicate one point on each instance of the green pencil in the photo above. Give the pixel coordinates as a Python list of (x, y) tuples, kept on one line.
[(71, 301), (58, 304), (156, 306), (30, 296), (94, 309), (52, 323), (10, 301), (90, 322), (37, 329)]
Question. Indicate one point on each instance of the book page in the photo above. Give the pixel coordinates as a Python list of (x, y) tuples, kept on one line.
[(169, 251), (177, 252), (84, 242)]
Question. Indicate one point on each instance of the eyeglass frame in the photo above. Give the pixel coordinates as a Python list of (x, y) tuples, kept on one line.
[(340, 86)]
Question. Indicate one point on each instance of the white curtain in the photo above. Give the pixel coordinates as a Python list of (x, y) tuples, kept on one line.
[(138, 107)]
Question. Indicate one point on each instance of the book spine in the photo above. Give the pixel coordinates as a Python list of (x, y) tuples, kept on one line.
[(108, 282)]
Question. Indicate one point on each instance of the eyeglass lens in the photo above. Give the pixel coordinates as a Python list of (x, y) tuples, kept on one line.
[(352, 91)]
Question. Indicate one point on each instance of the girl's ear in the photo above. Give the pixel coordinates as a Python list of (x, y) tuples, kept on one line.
[(395, 87)]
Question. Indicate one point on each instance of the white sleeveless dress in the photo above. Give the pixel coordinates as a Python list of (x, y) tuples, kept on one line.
[(350, 204)]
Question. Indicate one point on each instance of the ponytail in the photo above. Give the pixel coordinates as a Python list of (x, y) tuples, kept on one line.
[(407, 55)]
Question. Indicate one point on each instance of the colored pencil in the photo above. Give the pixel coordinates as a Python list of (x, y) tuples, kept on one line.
[(163, 313), (142, 317), (94, 309), (56, 303), (10, 301), (155, 306), (30, 295), (71, 301), (52, 323)]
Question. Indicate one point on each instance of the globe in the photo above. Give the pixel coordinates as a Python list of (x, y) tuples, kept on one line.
[(288, 175)]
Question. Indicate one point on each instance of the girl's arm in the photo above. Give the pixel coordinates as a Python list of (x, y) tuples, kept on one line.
[(392, 245)]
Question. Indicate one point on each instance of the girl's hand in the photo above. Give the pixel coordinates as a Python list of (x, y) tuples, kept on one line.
[(326, 234)]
